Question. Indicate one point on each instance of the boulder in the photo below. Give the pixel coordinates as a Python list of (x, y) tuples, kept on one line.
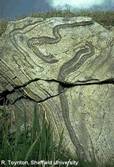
[(66, 66)]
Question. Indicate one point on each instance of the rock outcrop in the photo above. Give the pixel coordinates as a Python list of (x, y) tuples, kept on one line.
[(66, 66)]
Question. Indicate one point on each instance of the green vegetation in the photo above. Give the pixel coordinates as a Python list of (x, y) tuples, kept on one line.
[(32, 143), (3, 26), (103, 17), (35, 142)]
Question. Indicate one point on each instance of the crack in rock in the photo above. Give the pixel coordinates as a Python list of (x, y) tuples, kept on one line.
[(65, 85)]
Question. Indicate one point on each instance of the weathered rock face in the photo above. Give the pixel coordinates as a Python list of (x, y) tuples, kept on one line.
[(66, 65)]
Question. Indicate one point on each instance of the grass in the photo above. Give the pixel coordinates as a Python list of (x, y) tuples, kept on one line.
[(103, 17), (3, 26), (33, 143)]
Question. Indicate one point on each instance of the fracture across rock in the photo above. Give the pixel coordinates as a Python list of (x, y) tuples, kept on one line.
[(65, 85)]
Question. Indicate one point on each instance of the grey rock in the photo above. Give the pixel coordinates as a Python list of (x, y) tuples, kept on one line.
[(66, 65)]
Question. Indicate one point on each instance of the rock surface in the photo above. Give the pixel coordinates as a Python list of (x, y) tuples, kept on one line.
[(66, 66)]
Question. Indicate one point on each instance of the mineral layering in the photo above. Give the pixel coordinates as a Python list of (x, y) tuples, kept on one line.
[(66, 66)]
